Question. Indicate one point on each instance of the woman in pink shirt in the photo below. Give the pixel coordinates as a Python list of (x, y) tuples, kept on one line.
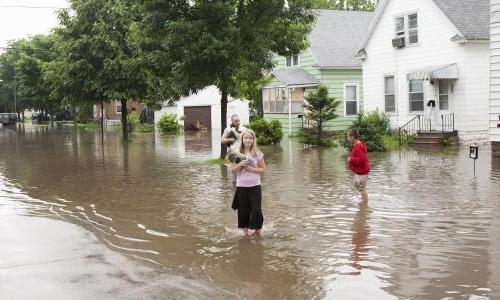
[(248, 197)]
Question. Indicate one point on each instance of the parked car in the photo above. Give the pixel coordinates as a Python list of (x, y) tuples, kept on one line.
[(40, 117), (8, 118)]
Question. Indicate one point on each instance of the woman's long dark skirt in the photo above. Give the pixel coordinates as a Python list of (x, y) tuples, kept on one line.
[(247, 200)]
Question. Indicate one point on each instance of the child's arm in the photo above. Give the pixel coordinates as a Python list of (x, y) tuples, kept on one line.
[(240, 166), (260, 169)]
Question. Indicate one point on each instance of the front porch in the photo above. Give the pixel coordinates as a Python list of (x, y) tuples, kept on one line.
[(429, 131)]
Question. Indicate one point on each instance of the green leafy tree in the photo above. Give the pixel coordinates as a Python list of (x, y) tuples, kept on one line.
[(7, 75), (226, 43), (98, 58), (34, 55), (366, 5), (319, 109)]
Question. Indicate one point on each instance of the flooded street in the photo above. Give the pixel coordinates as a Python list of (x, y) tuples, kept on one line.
[(429, 231)]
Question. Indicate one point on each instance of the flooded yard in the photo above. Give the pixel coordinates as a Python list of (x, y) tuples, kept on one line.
[(429, 231)]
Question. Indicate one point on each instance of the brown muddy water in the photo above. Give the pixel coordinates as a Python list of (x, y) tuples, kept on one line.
[(429, 231)]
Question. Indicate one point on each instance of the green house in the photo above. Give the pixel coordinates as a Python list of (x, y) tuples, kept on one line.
[(328, 61)]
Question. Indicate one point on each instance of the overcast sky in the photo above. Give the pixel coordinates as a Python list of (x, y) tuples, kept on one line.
[(24, 18)]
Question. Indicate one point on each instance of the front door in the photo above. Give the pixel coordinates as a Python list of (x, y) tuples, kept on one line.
[(445, 119)]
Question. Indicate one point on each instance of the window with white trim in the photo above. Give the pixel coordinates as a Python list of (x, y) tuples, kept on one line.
[(389, 94), (416, 95), (407, 26), (412, 29), (351, 99), (118, 105), (443, 94), (400, 26), (292, 60)]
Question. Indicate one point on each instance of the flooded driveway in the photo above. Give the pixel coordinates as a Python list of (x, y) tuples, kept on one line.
[(429, 231)]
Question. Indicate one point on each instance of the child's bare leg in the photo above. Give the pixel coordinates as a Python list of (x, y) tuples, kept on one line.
[(257, 232), (364, 195), (245, 231)]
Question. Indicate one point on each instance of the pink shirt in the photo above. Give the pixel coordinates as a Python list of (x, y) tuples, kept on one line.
[(246, 178)]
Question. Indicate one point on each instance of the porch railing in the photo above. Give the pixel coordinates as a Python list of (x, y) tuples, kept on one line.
[(420, 123), (448, 122), (411, 127)]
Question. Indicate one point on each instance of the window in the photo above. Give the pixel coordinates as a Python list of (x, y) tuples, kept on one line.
[(390, 97), (416, 95), (443, 94), (292, 60), (400, 26), (411, 31), (351, 99), (274, 100), (118, 105)]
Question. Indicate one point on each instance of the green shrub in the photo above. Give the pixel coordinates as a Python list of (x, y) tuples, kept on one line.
[(133, 118), (371, 127), (168, 124), (267, 132), (85, 113), (145, 128)]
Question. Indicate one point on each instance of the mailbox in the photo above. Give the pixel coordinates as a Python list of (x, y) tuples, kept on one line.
[(474, 152)]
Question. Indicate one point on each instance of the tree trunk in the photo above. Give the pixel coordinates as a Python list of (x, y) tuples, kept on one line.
[(124, 119), (223, 119), (75, 116), (102, 122)]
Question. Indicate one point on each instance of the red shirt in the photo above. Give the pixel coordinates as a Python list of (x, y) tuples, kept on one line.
[(358, 161)]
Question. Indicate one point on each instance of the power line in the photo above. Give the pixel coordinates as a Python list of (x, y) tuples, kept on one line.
[(31, 7)]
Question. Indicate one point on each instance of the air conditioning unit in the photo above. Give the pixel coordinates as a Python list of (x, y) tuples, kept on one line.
[(398, 42)]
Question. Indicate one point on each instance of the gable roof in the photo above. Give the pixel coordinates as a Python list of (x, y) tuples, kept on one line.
[(470, 17), (337, 36), (294, 76)]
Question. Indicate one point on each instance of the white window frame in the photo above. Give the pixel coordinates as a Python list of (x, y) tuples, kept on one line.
[(412, 29), (406, 27), (396, 26), (346, 84), (292, 61), (118, 104), (423, 98), (395, 94)]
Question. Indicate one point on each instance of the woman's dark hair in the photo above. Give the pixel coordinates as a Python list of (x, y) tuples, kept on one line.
[(353, 133)]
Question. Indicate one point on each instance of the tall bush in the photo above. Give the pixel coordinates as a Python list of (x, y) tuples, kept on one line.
[(168, 124), (267, 132), (371, 127)]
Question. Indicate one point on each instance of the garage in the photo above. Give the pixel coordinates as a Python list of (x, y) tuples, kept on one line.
[(195, 114)]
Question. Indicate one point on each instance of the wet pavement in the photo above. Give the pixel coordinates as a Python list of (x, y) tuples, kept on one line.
[(152, 219)]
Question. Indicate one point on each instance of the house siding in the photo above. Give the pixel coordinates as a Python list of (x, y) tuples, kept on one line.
[(333, 79), (494, 96), (434, 48)]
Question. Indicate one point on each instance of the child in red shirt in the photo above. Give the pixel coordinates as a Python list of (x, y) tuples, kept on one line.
[(358, 163)]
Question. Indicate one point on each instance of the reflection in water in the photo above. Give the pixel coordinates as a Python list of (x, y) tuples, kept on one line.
[(249, 268), (361, 232), (428, 230)]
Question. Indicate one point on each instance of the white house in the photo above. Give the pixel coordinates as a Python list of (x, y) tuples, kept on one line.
[(204, 107), (495, 77), (418, 51)]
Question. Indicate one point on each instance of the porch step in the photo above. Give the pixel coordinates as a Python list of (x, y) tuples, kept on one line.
[(434, 137)]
